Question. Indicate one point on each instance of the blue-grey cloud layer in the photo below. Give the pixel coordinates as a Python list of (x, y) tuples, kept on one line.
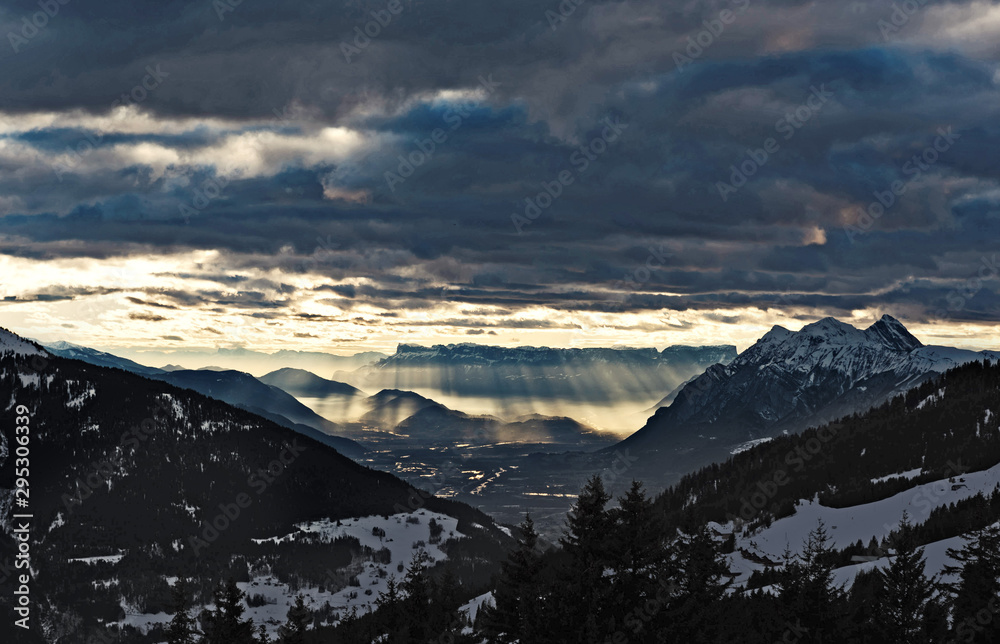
[(794, 235)]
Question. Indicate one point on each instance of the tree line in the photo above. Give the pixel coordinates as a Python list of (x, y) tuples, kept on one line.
[(624, 575)]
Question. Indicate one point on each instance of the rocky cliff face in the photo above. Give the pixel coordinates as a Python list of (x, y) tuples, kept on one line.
[(592, 375), (790, 380)]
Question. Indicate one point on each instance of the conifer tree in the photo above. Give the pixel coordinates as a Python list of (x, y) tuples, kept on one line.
[(444, 617), (293, 631), (863, 606), (390, 609), (975, 608), (811, 599), (514, 614), (641, 573), (637, 548), (583, 586), (906, 592), (698, 581), (350, 629), (182, 628), (417, 586), (225, 624)]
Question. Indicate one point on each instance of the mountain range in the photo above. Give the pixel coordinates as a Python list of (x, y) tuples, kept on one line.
[(250, 361), (237, 388), (788, 381), (832, 422), (427, 422), (135, 480), (592, 375), (400, 416)]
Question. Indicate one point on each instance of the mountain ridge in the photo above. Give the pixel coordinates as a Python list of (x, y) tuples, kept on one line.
[(142, 470), (789, 380)]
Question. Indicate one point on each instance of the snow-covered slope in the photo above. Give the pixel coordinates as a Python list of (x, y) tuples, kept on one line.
[(11, 344), (93, 356), (399, 537), (847, 526), (188, 482), (931, 454)]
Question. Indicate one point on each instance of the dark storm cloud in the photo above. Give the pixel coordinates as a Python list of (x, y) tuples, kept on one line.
[(642, 226)]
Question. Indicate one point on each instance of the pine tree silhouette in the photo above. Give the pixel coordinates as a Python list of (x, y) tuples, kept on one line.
[(975, 616), (182, 628), (906, 592), (293, 631), (812, 601), (582, 589), (225, 624), (514, 614)]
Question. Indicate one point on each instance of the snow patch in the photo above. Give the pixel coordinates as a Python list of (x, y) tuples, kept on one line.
[(911, 474)]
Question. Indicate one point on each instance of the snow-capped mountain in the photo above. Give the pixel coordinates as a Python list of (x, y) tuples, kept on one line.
[(13, 345), (933, 453), (789, 380), (100, 358)]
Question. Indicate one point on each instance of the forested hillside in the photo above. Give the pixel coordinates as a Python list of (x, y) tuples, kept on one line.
[(134, 481)]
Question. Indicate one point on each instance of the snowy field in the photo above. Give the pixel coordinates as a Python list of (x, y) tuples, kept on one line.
[(845, 526), (405, 535)]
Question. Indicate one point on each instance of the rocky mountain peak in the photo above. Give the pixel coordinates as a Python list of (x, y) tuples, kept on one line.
[(891, 332)]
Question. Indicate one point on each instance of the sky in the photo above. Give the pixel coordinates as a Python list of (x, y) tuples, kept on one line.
[(345, 176)]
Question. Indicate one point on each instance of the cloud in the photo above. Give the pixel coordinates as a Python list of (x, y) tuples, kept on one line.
[(148, 317), (257, 177)]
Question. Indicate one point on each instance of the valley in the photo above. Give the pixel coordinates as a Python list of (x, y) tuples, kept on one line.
[(444, 488)]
